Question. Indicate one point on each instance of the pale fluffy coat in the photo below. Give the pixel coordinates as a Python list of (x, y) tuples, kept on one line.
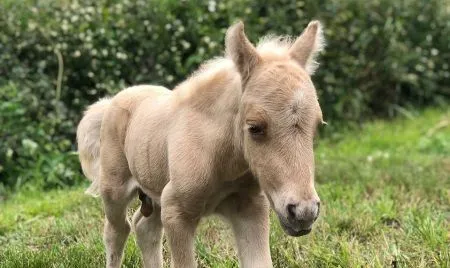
[(193, 151)]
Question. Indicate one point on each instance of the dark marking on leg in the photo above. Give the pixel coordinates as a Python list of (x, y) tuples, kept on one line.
[(146, 206)]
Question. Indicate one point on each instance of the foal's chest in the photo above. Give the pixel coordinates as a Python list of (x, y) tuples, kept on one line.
[(244, 185)]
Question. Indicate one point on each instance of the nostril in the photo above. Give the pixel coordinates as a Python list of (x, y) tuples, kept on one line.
[(291, 209), (318, 209)]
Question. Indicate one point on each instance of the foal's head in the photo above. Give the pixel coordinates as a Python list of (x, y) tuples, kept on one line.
[(279, 114)]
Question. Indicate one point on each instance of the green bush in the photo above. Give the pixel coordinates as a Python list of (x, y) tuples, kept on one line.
[(381, 57), (31, 149), (381, 54)]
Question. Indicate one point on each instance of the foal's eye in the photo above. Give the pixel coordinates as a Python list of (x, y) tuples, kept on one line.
[(256, 131)]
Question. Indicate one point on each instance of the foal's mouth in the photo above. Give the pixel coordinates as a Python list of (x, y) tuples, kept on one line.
[(287, 226), (294, 228), (294, 232)]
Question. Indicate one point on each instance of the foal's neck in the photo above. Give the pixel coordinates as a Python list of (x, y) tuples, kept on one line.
[(216, 91)]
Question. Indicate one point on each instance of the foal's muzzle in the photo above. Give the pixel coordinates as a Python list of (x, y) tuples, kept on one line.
[(300, 217)]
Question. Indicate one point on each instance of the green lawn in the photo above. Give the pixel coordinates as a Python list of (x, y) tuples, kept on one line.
[(386, 203)]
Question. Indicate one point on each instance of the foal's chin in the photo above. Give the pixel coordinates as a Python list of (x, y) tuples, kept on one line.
[(294, 232)]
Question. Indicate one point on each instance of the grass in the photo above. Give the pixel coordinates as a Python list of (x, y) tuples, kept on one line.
[(385, 191)]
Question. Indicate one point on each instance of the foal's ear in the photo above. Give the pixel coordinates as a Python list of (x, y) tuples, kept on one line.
[(240, 50), (307, 46)]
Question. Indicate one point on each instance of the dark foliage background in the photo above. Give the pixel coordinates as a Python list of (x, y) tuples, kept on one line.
[(382, 58)]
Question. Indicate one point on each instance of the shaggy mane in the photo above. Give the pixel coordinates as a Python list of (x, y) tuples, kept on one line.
[(277, 46)]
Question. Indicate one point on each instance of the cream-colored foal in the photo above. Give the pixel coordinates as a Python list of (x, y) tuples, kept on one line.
[(235, 139)]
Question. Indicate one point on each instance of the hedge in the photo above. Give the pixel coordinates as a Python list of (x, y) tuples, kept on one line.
[(381, 55), (31, 148)]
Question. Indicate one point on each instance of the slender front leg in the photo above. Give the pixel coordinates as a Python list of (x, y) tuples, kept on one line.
[(249, 218), (179, 227)]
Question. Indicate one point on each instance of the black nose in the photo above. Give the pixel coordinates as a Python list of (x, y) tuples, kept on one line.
[(292, 211), (304, 213)]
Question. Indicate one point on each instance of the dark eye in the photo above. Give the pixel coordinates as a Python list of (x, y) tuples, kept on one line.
[(256, 130)]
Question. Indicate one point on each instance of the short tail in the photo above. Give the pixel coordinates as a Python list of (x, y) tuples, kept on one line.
[(88, 138)]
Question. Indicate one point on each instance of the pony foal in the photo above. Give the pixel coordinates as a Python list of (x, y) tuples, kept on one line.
[(233, 139)]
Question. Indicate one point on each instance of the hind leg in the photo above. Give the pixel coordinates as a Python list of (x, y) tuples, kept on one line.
[(148, 235), (117, 190), (116, 185), (116, 231), (117, 227)]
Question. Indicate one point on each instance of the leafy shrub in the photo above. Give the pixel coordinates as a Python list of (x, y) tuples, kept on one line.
[(381, 55), (30, 149)]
